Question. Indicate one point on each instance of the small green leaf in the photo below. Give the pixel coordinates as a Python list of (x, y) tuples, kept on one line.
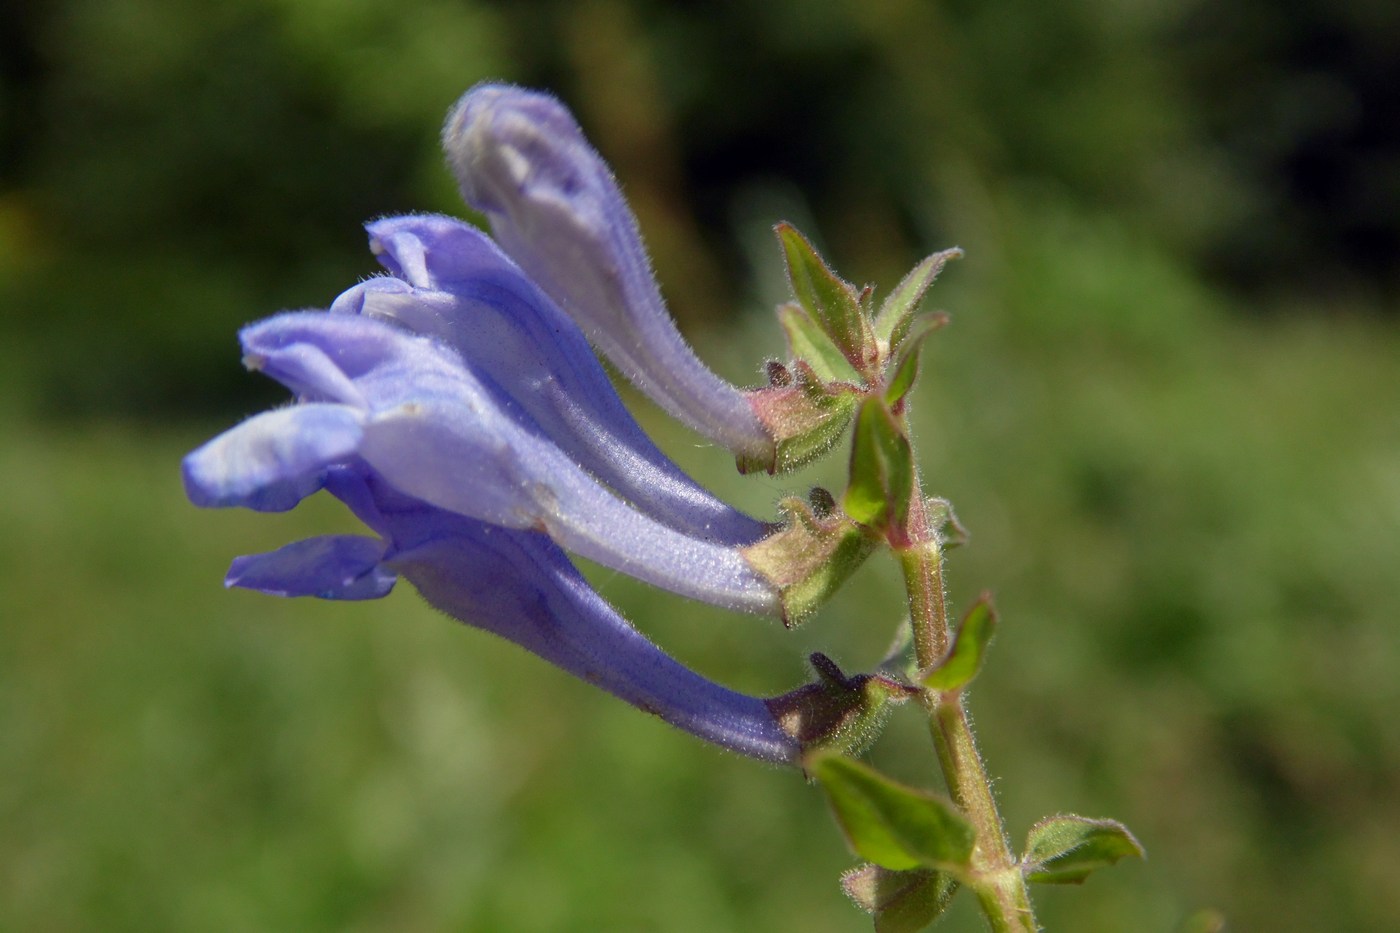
[(810, 344), (882, 468), (896, 312), (969, 650), (906, 366), (894, 826), (1065, 849), (832, 303), (901, 901)]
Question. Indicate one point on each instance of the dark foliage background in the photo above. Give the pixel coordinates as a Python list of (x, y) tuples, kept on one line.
[(1167, 411)]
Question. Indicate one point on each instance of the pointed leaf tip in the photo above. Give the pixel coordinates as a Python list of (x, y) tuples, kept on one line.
[(1065, 849), (831, 303), (906, 364), (895, 314)]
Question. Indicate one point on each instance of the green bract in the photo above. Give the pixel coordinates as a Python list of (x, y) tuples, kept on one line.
[(1065, 849), (830, 303), (889, 824), (965, 659), (897, 312), (882, 468)]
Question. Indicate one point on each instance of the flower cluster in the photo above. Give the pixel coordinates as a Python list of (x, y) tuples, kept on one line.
[(456, 406)]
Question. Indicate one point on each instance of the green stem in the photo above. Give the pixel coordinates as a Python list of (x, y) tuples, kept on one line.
[(998, 882), (995, 878), (928, 609)]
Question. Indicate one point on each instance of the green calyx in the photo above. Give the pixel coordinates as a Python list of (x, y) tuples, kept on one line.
[(805, 416), (900, 901), (809, 557), (850, 364)]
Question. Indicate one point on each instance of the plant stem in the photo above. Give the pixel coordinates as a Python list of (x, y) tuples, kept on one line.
[(922, 564), (995, 878)]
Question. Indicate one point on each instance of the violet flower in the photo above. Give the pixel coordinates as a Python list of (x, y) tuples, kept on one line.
[(520, 586), (420, 419), (556, 209), (452, 283)]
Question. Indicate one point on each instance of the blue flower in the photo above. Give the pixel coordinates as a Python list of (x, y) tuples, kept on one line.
[(452, 283), (520, 586), (555, 208), (409, 408)]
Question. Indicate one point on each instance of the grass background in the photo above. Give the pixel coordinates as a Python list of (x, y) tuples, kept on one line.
[(1166, 410)]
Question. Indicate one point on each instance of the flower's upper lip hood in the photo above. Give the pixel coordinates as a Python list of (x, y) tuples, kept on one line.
[(543, 136), (557, 211)]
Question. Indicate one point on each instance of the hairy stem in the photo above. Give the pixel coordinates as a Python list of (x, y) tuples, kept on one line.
[(995, 878)]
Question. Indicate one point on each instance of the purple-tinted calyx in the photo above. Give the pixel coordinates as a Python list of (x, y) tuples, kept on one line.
[(555, 208)]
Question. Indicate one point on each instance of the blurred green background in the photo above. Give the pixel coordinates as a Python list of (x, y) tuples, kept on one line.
[(1168, 411)]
